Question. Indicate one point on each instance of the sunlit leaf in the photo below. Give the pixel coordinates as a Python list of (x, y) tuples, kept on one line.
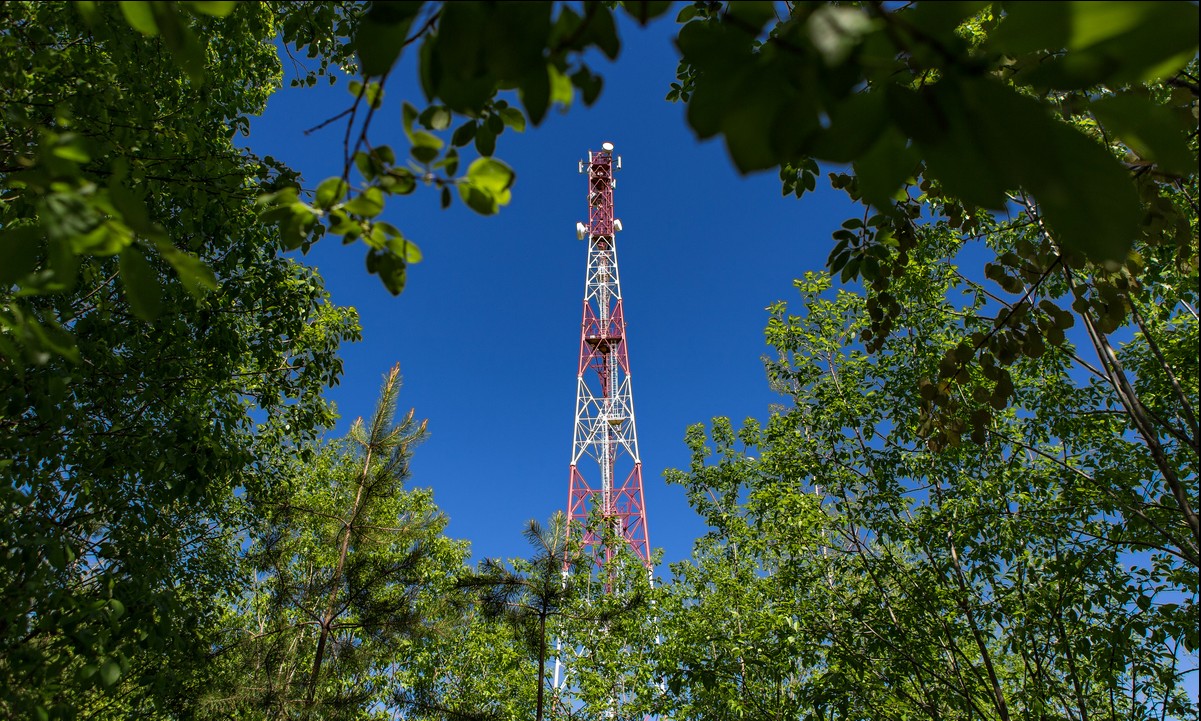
[(140, 17)]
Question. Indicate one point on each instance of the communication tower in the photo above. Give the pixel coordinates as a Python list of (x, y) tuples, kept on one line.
[(606, 470)]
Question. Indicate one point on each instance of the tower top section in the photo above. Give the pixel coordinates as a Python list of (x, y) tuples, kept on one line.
[(601, 166)]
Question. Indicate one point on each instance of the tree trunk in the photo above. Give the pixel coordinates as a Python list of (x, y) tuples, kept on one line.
[(541, 662), (328, 618)]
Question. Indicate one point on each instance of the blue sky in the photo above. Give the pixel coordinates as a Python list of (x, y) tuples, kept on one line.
[(487, 331)]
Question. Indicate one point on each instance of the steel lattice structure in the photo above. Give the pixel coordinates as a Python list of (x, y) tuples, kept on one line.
[(606, 470)]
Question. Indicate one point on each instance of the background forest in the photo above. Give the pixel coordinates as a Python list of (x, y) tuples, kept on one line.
[(975, 498)]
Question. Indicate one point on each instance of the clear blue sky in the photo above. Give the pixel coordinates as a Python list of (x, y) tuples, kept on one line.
[(487, 332)]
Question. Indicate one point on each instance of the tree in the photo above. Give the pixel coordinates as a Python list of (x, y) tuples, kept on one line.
[(346, 569), (908, 93), (594, 623), (158, 353), (139, 418), (928, 92), (533, 593), (468, 668), (1030, 570), (937, 92)]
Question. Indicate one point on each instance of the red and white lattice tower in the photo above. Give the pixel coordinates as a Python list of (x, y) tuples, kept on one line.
[(606, 470)]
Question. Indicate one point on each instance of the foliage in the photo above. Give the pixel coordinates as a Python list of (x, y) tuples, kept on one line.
[(943, 92), (481, 65), (1039, 569), (471, 668), (971, 101), (532, 594), (551, 610), (138, 414), (1054, 111), (1007, 521), (608, 646), (922, 93), (346, 569)]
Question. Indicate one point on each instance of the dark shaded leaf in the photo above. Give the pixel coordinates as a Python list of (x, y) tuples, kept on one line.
[(381, 35), (534, 92), (20, 248), (141, 284), (855, 125), (1148, 128), (646, 10)]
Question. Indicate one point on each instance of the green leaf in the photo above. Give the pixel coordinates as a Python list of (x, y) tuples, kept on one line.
[(1101, 223), (751, 14), (180, 41), (463, 134), (855, 125), (513, 118), (602, 31), (141, 284), (835, 30), (330, 192), (1054, 161), (425, 146), (373, 94), (20, 248), (534, 92), (399, 181), (488, 185), (140, 17), (216, 8), (408, 115), (197, 278), (478, 45), (108, 238), (751, 118), (884, 168), (561, 90), (485, 140), (390, 267), (436, 117), (368, 204), (971, 156), (939, 19), (406, 249), (133, 210), (71, 147), (1148, 128), (384, 154), (1107, 42), (590, 85), (381, 35), (110, 671), (492, 176), (515, 38), (367, 165), (646, 10), (449, 162), (424, 139), (87, 10)]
